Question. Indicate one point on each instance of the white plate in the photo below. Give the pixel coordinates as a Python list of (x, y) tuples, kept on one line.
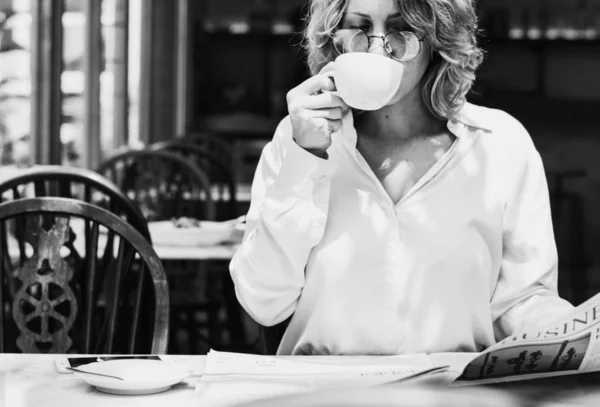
[(141, 376), (209, 233)]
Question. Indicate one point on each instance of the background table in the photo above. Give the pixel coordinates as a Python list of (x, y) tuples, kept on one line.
[(164, 252), (217, 252)]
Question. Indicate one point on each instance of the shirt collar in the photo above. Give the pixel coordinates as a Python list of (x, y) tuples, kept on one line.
[(472, 116), (468, 118)]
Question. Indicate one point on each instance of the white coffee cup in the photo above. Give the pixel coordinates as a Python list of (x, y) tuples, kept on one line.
[(366, 81)]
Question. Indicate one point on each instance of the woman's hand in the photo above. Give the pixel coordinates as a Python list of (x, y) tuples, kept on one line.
[(315, 112)]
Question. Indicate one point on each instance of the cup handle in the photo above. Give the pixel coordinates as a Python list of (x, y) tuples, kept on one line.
[(330, 74)]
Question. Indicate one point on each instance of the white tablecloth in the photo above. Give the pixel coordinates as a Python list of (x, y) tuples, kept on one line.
[(33, 381)]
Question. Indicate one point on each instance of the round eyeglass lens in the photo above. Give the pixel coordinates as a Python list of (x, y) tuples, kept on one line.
[(348, 40), (402, 45)]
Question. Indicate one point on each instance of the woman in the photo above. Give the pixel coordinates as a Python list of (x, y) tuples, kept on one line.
[(423, 226)]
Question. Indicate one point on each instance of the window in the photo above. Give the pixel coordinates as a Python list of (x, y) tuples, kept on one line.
[(15, 84), (99, 118)]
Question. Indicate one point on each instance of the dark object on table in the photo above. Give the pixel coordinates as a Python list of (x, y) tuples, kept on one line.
[(184, 223)]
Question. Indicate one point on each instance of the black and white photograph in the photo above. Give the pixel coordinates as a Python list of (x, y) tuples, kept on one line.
[(215, 203)]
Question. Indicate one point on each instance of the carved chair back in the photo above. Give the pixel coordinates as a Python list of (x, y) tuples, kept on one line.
[(111, 311), (217, 146)]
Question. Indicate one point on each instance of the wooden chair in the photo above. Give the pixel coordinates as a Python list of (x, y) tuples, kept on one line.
[(163, 184), (167, 185), (240, 149), (46, 316), (187, 311), (217, 146), (568, 219), (218, 171), (78, 183)]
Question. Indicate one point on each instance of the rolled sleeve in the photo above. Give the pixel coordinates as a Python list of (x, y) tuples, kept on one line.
[(286, 220)]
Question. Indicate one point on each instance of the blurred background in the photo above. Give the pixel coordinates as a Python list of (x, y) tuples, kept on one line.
[(80, 79)]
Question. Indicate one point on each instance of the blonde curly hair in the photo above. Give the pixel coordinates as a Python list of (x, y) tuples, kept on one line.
[(448, 26)]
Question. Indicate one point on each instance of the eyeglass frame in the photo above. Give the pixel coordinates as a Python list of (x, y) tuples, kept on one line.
[(383, 39)]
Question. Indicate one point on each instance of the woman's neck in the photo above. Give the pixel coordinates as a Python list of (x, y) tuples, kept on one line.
[(404, 120)]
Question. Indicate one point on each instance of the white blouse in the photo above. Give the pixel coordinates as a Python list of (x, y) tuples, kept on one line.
[(465, 259)]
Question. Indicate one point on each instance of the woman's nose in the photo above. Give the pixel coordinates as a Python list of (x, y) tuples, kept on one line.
[(377, 45)]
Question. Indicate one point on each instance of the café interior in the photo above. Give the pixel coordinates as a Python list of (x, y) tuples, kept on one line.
[(132, 129)]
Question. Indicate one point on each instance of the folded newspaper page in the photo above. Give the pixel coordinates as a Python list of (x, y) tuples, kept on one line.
[(231, 378), (568, 347)]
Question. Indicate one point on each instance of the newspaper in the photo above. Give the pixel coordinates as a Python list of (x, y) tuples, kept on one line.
[(567, 347), (231, 378)]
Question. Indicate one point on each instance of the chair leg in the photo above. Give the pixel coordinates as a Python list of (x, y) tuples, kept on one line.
[(191, 328), (235, 324), (173, 343), (214, 335)]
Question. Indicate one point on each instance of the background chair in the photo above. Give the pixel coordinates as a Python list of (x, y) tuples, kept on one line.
[(239, 147), (568, 219), (46, 315), (163, 184), (218, 171), (167, 185), (203, 320), (218, 147), (77, 183)]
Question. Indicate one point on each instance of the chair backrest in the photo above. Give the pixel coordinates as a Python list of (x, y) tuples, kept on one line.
[(78, 183), (223, 187), (164, 184), (110, 312), (211, 142)]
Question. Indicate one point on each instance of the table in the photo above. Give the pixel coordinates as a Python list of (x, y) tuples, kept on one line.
[(32, 381), (218, 252)]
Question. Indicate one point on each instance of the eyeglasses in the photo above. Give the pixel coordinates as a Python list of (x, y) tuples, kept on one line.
[(402, 46)]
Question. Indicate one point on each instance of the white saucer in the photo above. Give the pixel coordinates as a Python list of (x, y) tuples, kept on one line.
[(141, 376)]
